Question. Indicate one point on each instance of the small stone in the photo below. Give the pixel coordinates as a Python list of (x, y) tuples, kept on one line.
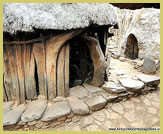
[(132, 85), (122, 59), (55, 124), (13, 116), (75, 128), (93, 128), (68, 120), (32, 123), (118, 108), (56, 110), (96, 103), (39, 124), (78, 91), (149, 80), (61, 118), (71, 115), (35, 111), (7, 106), (128, 104), (92, 89), (149, 66), (41, 97), (21, 123), (59, 99), (86, 121), (131, 116), (99, 116), (111, 115), (77, 83), (123, 95), (78, 106), (116, 55), (112, 87), (109, 97), (76, 119)]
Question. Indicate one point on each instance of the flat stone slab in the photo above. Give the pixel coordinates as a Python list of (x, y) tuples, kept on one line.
[(78, 91), (132, 85), (109, 97), (96, 103), (92, 89), (13, 116), (7, 106), (149, 66), (56, 110), (78, 106), (35, 111), (113, 87), (149, 80)]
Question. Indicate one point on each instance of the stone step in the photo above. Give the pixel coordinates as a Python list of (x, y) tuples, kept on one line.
[(78, 91), (132, 85), (96, 103), (13, 116), (34, 111), (56, 110), (149, 80), (78, 106), (113, 87)]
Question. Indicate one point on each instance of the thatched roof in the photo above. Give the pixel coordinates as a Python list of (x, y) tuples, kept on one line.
[(60, 16)]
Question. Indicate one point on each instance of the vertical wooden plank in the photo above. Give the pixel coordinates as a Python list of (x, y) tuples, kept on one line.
[(13, 70), (39, 55), (7, 81), (67, 60), (61, 72), (4, 94), (29, 69), (20, 71)]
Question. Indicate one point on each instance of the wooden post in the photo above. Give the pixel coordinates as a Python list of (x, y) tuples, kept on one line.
[(29, 69), (39, 55), (20, 71), (99, 62)]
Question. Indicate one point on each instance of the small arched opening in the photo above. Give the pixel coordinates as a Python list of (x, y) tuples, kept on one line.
[(132, 50)]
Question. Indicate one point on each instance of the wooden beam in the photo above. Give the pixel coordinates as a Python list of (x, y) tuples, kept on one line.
[(99, 62)]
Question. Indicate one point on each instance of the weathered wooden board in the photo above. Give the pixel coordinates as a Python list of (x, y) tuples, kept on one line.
[(20, 71), (53, 46), (4, 94), (67, 62), (29, 69), (7, 81), (99, 62), (39, 55), (13, 70), (61, 72)]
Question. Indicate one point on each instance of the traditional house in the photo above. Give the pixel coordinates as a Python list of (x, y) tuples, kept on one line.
[(49, 48)]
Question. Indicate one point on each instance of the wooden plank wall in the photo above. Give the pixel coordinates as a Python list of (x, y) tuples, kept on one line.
[(19, 69)]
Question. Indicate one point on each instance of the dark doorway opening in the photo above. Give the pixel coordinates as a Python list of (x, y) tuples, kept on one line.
[(132, 50), (81, 64)]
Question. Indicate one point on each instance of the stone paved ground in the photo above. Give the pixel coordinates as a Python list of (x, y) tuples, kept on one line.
[(139, 112)]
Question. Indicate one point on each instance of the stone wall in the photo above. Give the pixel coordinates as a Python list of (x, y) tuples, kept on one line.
[(144, 24)]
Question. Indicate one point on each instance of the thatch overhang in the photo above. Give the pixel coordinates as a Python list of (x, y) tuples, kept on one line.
[(26, 17)]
